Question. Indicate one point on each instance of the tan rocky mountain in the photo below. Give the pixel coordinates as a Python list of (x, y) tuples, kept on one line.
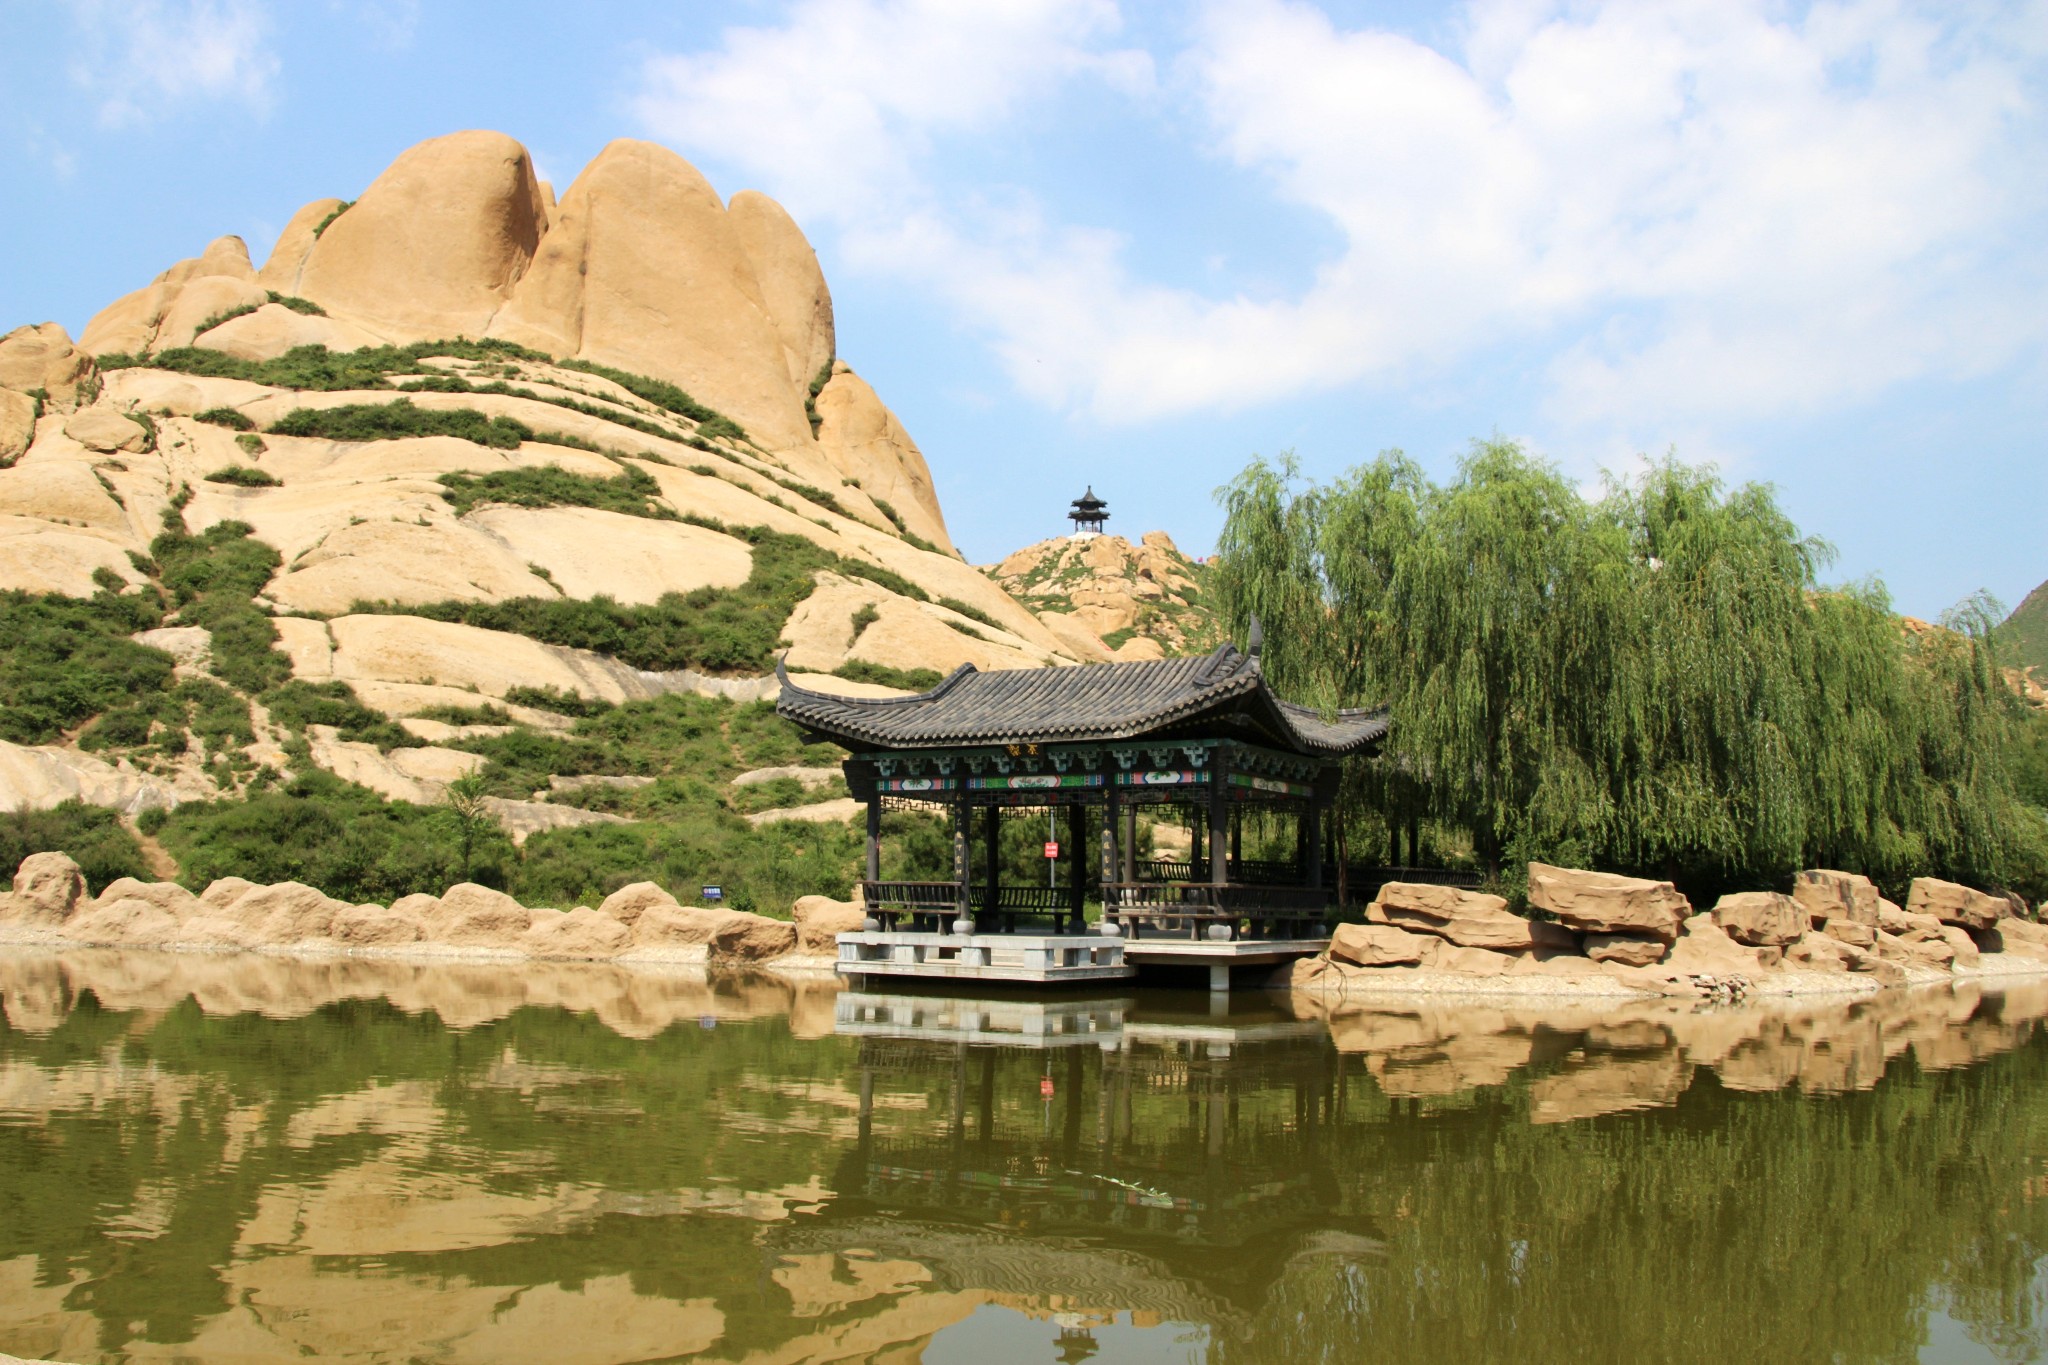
[(640, 329)]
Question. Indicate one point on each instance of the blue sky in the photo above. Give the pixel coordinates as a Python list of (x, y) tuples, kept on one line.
[(1073, 241)]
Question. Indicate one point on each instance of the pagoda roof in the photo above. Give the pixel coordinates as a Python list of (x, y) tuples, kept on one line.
[(1224, 693)]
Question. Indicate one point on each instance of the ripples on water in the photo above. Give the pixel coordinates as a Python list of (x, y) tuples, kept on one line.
[(244, 1159)]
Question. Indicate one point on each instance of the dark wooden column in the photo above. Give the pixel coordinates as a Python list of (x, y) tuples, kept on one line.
[(1077, 850), (1312, 839), (1197, 822), (992, 858), (875, 837), (1109, 813), (1130, 843), (960, 870), (1237, 841), (1219, 817)]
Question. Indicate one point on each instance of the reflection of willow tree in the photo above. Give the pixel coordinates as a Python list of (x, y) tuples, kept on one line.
[(1653, 682), (1318, 1215), (1735, 1227)]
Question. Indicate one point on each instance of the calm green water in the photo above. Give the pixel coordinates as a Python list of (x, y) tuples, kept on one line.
[(236, 1159)]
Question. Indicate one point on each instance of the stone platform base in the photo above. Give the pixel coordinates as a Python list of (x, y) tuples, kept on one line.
[(1042, 959), (1219, 958)]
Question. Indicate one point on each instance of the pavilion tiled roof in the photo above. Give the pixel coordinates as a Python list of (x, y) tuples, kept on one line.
[(1097, 702)]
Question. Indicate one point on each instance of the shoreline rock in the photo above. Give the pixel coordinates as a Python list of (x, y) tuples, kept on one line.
[(1834, 936), (641, 923)]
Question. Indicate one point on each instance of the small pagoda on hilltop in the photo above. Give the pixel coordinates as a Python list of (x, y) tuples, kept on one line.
[(1088, 514)]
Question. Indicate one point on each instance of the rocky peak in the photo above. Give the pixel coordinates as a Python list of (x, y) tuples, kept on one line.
[(640, 266), (1133, 601)]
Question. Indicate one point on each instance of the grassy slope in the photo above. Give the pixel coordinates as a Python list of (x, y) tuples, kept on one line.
[(2023, 637), (72, 673)]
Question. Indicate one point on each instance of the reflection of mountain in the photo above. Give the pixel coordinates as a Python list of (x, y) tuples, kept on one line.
[(357, 1180)]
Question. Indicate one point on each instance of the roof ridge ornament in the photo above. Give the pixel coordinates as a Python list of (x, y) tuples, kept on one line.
[(1255, 637)]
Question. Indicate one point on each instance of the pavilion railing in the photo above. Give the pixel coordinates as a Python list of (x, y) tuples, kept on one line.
[(926, 904), (1034, 900), (1189, 909), (934, 905), (1255, 871), (1148, 909)]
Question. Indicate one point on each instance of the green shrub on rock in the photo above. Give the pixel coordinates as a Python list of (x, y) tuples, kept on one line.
[(401, 418), (92, 835), (64, 660), (715, 630), (244, 476), (633, 492)]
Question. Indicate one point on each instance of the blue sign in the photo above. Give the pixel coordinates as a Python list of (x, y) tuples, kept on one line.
[(714, 893)]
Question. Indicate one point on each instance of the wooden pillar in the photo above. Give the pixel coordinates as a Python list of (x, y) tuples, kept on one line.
[(875, 837), (1109, 812), (1196, 824), (1312, 839), (1077, 849), (1130, 844), (1219, 819), (992, 857), (1237, 841), (960, 871)]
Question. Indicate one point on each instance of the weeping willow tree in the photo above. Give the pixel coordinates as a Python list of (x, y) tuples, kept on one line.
[(1654, 681)]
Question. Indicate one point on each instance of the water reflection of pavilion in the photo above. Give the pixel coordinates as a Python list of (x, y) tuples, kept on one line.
[(1090, 1115)]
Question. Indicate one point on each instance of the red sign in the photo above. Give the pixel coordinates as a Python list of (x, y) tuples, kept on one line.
[(1052, 848), (1045, 1087)]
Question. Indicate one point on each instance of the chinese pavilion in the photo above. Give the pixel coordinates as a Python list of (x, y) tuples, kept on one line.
[(1088, 514), (1203, 740)]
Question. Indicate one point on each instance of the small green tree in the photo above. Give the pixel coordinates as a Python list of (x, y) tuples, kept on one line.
[(468, 810)]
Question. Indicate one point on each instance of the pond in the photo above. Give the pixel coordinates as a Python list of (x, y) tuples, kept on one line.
[(242, 1158)]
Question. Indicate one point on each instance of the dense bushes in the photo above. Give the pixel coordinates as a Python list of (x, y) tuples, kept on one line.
[(212, 576), (908, 679), (617, 414), (300, 703), (243, 476), (318, 369), (330, 834), (760, 869), (315, 367), (92, 835), (717, 630), (64, 660), (632, 492), (401, 418), (704, 739), (352, 844), (663, 394)]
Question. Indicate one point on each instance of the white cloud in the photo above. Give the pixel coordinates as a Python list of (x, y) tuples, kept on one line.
[(839, 103), (144, 59), (1703, 210)]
